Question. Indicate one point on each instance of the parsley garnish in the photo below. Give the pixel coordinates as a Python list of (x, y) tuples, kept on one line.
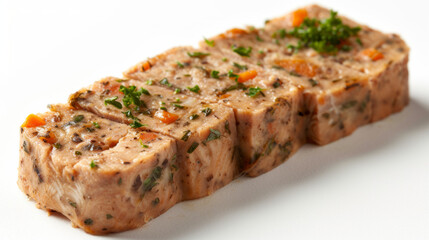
[(198, 54), (254, 92), (149, 82), (241, 67), (132, 96), (242, 51), (214, 74), (195, 89), (210, 43), (112, 101), (324, 36), (177, 90)]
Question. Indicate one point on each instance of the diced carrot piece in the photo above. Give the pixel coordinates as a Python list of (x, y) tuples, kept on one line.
[(232, 33), (33, 121), (223, 96), (246, 76), (298, 17), (147, 136), (298, 66), (165, 116), (146, 66), (50, 138), (372, 54)]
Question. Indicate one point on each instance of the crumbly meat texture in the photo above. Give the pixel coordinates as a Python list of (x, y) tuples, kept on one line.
[(270, 125), (99, 176), (205, 132)]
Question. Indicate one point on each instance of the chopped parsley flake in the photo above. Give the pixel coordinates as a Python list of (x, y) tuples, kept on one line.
[(112, 101), (192, 148), (198, 54), (164, 81), (186, 135), (254, 92), (93, 164), (210, 43), (180, 64), (242, 51), (195, 89), (241, 67), (95, 124), (214, 134), (206, 111), (214, 74)]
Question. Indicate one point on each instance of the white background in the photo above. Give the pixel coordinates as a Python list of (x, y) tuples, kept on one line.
[(371, 185)]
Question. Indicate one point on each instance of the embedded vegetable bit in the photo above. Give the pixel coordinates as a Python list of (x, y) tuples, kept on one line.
[(242, 51), (246, 76), (186, 135), (164, 81), (192, 148), (254, 92), (32, 121), (146, 66), (372, 54), (209, 43), (241, 67), (324, 36), (136, 124), (198, 54), (214, 74), (298, 66), (49, 138), (195, 89), (298, 16), (93, 164), (214, 134), (206, 111), (180, 65), (112, 101), (147, 136), (165, 116)]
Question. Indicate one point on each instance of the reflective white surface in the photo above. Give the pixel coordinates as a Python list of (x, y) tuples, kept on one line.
[(371, 185)]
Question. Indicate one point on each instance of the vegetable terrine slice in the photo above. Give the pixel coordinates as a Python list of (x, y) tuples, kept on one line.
[(95, 171), (381, 57), (205, 132), (336, 97), (268, 110)]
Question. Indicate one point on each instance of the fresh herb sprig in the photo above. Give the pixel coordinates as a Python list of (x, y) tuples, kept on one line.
[(324, 36)]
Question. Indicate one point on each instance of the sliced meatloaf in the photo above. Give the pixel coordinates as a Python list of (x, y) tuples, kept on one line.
[(95, 171), (268, 109), (205, 132)]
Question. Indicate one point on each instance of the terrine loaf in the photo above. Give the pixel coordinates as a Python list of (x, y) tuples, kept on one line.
[(269, 126), (95, 171), (186, 122), (205, 132)]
